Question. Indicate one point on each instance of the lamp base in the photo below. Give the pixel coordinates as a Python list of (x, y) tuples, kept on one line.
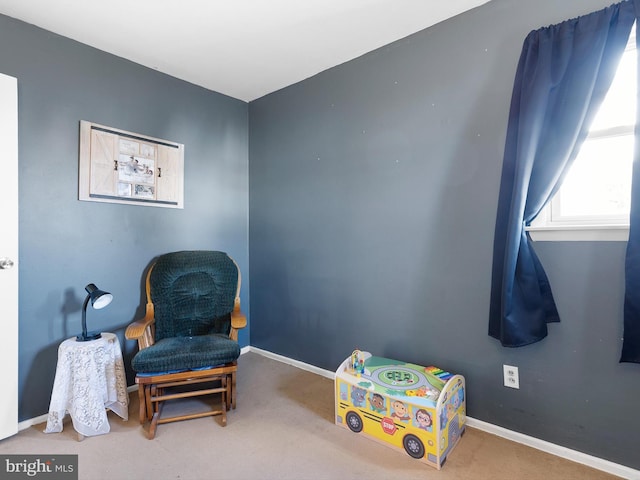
[(88, 336)]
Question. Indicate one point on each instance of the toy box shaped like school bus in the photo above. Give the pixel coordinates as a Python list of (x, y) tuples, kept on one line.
[(421, 410)]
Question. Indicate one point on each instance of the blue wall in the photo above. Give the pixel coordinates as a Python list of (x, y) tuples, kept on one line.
[(373, 194), (65, 243)]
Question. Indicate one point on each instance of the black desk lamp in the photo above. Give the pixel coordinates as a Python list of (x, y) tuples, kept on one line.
[(99, 299)]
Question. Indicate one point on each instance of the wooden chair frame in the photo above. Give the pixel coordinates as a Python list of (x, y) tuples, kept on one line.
[(151, 389)]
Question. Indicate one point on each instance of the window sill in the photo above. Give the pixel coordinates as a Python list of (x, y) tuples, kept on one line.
[(579, 233)]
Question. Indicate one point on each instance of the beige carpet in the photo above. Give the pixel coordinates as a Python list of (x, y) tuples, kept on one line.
[(282, 429)]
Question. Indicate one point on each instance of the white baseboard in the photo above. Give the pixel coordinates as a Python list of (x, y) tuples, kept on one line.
[(301, 365), (548, 447), (32, 421)]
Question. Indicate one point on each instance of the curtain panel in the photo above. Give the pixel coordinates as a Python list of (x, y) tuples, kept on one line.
[(631, 337), (562, 77)]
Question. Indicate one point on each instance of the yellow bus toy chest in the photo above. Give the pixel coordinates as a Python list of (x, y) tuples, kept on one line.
[(421, 410)]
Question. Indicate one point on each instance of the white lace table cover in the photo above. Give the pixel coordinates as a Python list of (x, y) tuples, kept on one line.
[(89, 378)]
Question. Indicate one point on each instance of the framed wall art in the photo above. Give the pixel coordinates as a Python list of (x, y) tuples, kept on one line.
[(124, 167)]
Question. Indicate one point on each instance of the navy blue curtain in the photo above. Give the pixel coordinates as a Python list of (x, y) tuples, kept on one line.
[(631, 338), (563, 75)]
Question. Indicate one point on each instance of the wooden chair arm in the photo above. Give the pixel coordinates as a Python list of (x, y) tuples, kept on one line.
[(238, 320), (142, 330)]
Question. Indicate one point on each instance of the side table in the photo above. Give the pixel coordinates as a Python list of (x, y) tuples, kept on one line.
[(89, 379)]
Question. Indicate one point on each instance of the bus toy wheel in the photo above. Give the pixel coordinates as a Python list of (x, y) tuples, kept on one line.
[(354, 422), (413, 446)]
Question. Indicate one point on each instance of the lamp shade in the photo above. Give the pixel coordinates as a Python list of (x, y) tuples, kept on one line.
[(99, 299)]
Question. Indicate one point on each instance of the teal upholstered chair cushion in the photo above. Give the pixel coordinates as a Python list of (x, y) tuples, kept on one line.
[(193, 294), (186, 353)]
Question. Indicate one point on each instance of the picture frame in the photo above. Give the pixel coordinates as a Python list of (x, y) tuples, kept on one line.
[(117, 166)]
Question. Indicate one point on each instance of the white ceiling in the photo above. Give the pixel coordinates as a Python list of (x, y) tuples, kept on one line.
[(242, 48)]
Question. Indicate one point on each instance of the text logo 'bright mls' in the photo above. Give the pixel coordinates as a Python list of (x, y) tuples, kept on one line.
[(60, 467)]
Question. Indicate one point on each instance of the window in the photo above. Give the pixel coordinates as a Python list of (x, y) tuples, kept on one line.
[(593, 202)]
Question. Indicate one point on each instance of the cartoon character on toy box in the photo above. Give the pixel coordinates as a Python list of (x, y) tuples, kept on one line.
[(420, 410)]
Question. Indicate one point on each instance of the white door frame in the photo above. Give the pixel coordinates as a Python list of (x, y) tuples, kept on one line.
[(9, 255)]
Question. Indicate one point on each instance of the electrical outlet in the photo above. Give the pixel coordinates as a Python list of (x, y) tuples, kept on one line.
[(511, 377)]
